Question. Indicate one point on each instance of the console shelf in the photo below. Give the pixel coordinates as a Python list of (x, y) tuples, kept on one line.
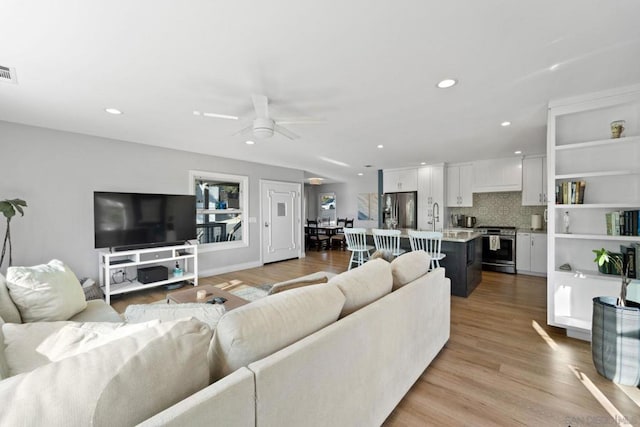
[(123, 264)]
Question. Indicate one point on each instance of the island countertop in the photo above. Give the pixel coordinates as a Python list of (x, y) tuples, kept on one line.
[(448, 235)]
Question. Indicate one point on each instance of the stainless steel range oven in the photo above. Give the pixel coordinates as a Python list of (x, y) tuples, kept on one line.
[(498, 248)]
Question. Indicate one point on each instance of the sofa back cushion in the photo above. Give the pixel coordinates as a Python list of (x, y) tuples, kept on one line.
[(408, 267), (119, 383), (267, 325), (8, 310), (363, 285), (310, 279), (46, 292)]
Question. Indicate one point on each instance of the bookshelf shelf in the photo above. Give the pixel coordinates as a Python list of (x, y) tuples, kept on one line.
[(598, 174), (599, 143), (598, 237), (600, 206)]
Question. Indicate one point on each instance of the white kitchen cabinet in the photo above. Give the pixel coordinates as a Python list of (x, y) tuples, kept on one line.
[(394, 180), (534, 181), (459, 183), (430, 191), (531, 253), (580, 148), (497, 175)]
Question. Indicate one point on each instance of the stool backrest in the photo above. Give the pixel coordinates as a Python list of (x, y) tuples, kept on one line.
[(387, 240), (356, 238)]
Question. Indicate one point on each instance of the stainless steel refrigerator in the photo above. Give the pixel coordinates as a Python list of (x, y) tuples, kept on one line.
[(400, 210)]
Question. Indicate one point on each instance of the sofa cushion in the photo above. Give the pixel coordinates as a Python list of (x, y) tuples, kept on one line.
[(408, 267), (22, 342), (207, 313), (363, 285), (4, 367), (46, 292), (97, 311), (8, 310), (265, 326), (120, 383), (310, 279)]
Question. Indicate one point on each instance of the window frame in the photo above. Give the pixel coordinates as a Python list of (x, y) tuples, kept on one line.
[(243, 210)]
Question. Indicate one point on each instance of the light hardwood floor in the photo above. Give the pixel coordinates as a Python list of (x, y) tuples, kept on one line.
[(502, 365)]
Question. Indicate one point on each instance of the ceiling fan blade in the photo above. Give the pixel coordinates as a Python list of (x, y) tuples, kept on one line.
[(300, 120), (261, 105), (285, 132), (244, 131), (217, 116)]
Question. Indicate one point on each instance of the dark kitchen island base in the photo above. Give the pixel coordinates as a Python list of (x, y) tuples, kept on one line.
[(463, 265)]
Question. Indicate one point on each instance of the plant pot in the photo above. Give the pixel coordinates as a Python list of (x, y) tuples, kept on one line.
[(615, 341)]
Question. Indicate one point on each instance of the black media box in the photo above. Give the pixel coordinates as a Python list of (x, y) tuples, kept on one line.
[(153, 274)]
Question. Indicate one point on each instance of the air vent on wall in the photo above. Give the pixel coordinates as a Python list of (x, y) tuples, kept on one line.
[(8, 75)]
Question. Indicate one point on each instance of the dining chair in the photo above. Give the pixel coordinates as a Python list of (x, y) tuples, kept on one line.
[(316, 238), (388, 241), (430, 242), (357, 243), (339, 236)]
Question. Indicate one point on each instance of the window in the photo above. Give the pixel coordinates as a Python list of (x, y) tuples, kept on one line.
[(221, 209)]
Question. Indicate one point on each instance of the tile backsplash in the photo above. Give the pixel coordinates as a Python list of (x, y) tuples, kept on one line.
[(503, 209)]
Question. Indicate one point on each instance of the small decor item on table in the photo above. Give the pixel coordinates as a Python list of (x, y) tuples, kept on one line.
[(566, 222), (201, 294), (177, 272), (617, 127)]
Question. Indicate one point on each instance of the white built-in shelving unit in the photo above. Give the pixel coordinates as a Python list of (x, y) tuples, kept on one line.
[(579, 147), (118, 270)]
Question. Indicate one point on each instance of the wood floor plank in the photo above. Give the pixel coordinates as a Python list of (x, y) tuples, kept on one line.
[(497, 368)]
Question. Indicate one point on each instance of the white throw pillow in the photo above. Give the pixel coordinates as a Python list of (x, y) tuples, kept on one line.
[(8, 310), (408, 267), (46, 292), (4, 368)]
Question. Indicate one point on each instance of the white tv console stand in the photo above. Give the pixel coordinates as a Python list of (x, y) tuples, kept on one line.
[(119, 270)]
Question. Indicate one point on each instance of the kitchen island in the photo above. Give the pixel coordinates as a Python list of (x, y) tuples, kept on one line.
[(463, 263)]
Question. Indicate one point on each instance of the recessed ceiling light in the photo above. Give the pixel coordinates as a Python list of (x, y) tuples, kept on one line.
[(113, 111), (505, 124), (249, 142), (517, 152), (446, 83), (554, 67), (423, 163), (315, 181), (380, 146), (360, 174)]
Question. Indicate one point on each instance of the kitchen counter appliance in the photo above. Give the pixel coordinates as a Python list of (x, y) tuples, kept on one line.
[(498, 248)]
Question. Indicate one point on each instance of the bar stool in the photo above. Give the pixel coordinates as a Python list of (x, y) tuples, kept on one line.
[(357, 244), (430, 242), (387, 240)]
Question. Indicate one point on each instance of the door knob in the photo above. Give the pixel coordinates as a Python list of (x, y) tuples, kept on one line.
[(266, 224)]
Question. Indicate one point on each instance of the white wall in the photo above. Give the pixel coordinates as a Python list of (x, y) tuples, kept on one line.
[(57, 172), (346, 198)]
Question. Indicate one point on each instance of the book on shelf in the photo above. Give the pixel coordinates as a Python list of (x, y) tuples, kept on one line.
[(613, 223), (629, 260), (624, 223), (570, 192)]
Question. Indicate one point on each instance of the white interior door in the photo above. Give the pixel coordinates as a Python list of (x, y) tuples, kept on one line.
[(281, 227)]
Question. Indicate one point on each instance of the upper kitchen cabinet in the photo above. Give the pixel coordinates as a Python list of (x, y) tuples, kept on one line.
[(395, 180), (459, 183), (497, 175), (534, 181), (430, 191), (581, 147)]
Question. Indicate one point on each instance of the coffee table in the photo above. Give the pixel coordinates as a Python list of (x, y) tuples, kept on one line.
[(190, 295)]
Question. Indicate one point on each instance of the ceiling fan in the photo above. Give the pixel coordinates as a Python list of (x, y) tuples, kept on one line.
[(264, 126)]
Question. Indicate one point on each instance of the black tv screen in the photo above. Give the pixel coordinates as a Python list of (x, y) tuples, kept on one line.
[(139, 220)]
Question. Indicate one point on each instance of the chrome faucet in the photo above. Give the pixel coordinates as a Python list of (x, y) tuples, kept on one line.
[(436, 216)]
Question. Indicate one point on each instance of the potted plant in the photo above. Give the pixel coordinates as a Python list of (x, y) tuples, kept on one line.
[(9, 209), (615, 329)]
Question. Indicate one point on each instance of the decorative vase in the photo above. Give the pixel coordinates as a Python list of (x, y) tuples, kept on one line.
[(615, 341), (617, 127)]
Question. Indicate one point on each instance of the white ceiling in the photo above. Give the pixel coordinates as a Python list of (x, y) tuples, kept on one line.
[(368, 67)]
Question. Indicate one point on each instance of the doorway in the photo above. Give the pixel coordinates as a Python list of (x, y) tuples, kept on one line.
[(281, 227)]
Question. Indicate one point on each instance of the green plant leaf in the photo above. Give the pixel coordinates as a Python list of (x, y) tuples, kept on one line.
[(7, 209)]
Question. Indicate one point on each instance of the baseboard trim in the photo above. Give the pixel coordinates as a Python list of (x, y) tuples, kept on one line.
[(228, 269), (580, 334)]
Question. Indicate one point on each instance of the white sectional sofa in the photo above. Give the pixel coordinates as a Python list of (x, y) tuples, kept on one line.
[(341, 353)]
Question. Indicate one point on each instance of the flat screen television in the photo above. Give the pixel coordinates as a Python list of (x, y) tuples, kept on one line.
[(135, 220)]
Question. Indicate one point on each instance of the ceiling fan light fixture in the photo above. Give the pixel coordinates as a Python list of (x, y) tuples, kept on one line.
[(263, 128), (447, 83)]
